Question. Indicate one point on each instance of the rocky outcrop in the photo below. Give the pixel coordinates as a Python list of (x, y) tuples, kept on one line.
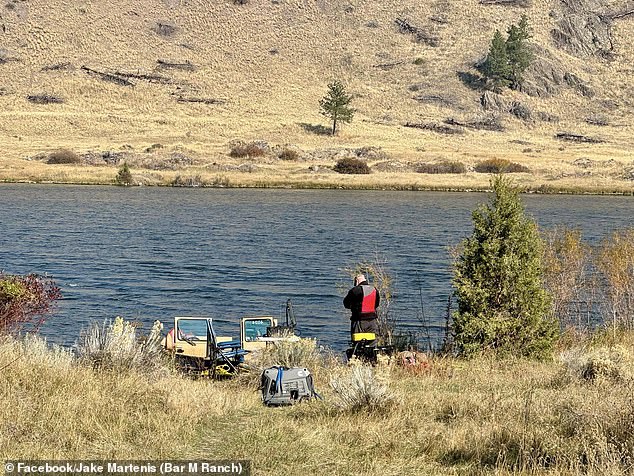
[(493, 102), (583, 29), (546, 76)]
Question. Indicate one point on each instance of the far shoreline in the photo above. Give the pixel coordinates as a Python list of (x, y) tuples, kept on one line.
[(541, 189)]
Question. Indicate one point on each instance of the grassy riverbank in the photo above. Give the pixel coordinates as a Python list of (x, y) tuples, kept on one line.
[(552, 178), (484, 416)]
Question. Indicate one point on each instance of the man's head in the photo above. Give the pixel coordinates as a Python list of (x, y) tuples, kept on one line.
[(359, 278)]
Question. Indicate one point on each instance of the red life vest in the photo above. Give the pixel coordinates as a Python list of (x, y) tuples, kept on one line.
[(368, 305)]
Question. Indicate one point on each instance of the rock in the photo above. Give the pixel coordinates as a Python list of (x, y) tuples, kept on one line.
[(371, 153), (577, 83), (178, 159), (491, 101), (392, 166), (113, 158), (247, 168), (569, 136), (520, 111), (597, 120), (544, 76), (489, 122), (582, 30), (432, 126), (547, 117), (583, 162)]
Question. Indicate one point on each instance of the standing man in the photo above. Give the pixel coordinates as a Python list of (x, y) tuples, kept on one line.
[(363, 300)]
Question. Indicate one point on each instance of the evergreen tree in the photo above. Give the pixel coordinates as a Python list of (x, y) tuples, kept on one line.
[(496, 67), (124, 176), (502, 305), (335, 105), (518, 51)]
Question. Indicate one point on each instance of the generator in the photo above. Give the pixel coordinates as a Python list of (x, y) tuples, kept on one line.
[(286, 386)]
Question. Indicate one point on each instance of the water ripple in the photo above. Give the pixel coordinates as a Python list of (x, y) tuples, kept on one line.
[(150, 253)]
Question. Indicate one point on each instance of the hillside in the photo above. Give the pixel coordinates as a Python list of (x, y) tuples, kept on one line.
[(125, 75)]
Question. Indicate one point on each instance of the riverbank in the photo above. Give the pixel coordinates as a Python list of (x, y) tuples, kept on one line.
[(560, 177), (450, 416)]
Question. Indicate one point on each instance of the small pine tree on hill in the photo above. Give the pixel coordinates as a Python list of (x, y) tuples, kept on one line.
[(496, 67), (518, 51), (502, 304), (335, 105), (508, 59)]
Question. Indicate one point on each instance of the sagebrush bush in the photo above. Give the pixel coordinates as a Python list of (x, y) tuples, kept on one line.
[(302, 353), (597, 364), (499, 166), (288, 154), (63, 156), (359, 389), (351, 165), (445, 167), (116, 346), (252, 149), (34, 350)]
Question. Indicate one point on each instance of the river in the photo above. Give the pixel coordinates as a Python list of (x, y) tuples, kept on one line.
[(154, 253)]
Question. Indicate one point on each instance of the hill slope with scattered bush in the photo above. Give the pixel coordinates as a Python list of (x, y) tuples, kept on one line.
[(115, 77)]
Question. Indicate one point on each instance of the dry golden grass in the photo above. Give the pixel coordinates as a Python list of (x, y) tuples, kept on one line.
[(483, 416), (270, 62)]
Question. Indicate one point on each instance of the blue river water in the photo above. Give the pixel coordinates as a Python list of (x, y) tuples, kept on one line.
[(155, 253)]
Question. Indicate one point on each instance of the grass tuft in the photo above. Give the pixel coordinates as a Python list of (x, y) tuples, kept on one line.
[(358, 388)]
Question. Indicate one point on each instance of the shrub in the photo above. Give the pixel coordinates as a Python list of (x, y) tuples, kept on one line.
[(303, 353), (502, 305), (419, 61), (124, 176), (187, 181), (615, 263), (499, 166), (359, 389), (568, 277), (25, 300), (252, 149), (445, 167), (115, 346), (63, 156), (351, 165), (288, 154), (599, 364)]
